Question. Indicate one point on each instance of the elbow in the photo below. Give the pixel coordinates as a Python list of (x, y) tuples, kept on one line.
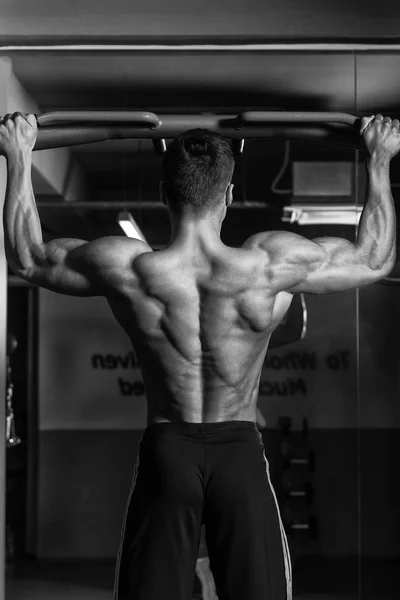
[(23, 273), (13, 262), (388, 269), (385, 269), (13, 266), (26, 268), (391, 262)]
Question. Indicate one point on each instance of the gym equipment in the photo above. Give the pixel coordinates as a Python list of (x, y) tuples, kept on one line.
[(285, 425), (309, 525), (307, 461), (237, 146), (137, 118), (159, 146), (306, 494), (307, 458), (60, 129), (293, 327), (12, 438)]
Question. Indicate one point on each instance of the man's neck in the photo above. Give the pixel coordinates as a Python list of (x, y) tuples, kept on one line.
[(196, 233)]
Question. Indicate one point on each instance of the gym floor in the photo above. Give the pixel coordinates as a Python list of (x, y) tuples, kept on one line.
[(316, 581)]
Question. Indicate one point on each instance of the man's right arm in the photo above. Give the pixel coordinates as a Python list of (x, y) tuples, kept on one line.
[(330, 265)]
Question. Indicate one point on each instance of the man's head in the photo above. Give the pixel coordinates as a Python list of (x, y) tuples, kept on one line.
[(197, 173)]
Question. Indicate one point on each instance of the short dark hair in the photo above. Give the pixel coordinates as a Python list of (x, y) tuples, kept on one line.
[(197, 168)]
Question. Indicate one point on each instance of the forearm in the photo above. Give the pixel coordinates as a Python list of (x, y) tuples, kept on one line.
[(376, 238), (22, 230)]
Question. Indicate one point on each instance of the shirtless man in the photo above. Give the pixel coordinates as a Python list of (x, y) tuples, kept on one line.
[(200, 316)]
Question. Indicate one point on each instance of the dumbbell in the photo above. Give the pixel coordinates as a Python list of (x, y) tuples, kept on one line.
[(309, 525), (285, 424), (306, 494), (308, 460)]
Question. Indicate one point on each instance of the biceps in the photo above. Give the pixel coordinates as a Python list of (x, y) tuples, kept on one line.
[(342, 268), (80, 268), (54, 271), (333, 279)]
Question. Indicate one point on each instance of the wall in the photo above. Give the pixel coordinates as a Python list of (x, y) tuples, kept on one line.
[(91, 416), (88, 373), (89, 430)]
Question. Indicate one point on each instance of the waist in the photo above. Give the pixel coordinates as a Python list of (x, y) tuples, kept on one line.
[(216, 408), (201, 427)]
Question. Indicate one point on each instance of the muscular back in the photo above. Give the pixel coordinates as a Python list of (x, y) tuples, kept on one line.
[(200, 321), (200, 324)]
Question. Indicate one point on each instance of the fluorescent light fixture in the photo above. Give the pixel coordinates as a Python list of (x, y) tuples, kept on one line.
[(130, 227), (315, 214)]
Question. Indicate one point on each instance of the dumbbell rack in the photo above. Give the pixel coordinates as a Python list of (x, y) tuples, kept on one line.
[(296, 491)]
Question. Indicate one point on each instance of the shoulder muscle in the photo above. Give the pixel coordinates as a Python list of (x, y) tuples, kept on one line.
[(109, 261), (289, 258)]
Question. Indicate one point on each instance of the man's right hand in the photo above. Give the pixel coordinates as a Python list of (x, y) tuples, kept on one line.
[(381, 137), (18, 133)]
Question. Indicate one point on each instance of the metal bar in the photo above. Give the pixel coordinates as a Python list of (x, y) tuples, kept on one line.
[(187, 46), (139, 205), (138, 118), (32, 417), (314, 128), (262, 117)]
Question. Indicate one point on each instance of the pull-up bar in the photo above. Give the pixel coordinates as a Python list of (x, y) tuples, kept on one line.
[(61, 118), (60, 129), (260, 117)]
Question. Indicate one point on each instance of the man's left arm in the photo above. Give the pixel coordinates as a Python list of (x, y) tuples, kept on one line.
[(67, 266)]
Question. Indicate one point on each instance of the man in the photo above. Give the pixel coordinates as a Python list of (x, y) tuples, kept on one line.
[(291, 329), (200, 316)]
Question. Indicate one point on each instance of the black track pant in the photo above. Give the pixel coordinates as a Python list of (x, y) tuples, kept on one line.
[(212, 473)]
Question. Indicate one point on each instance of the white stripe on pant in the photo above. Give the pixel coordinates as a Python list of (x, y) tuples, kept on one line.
[(121, 545), (285, 547)]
